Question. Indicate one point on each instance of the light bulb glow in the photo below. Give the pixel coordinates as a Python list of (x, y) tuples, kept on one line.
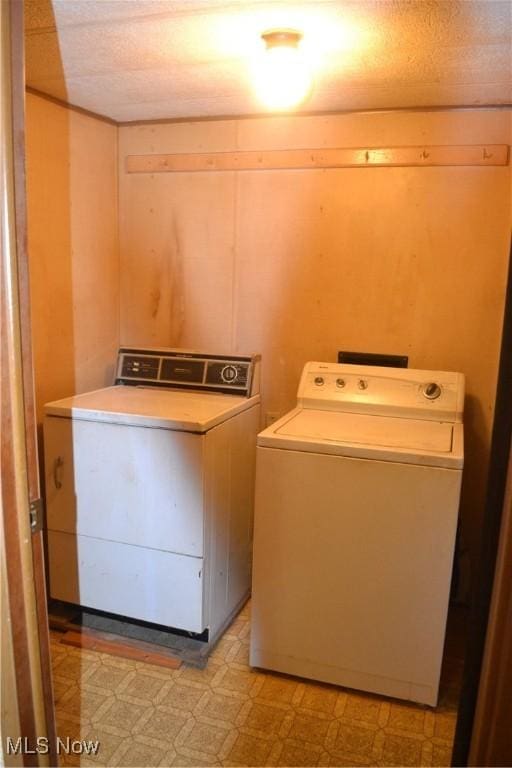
[(282, 76)]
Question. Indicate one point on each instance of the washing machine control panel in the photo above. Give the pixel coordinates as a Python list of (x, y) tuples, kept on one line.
[(174, 368), (432, 390), (404, 392)]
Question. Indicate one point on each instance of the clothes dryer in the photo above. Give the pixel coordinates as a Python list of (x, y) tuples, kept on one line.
[(150, 487)]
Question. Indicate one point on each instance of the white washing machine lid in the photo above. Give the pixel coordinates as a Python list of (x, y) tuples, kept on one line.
[(152, 407), (383, 438)]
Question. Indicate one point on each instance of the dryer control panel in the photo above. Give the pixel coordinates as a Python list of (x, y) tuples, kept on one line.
[(181, 369)]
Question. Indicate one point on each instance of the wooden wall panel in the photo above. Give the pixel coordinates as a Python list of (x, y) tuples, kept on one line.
[(177, 238), (177, 265), (361, 129), (73, 249), (395, 260)]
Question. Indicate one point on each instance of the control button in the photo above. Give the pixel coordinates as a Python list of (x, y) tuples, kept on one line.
[(362, 384), (431, 390), (229, 374), (319, 381), (340, 383)]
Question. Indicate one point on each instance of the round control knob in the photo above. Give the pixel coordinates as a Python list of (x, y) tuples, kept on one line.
[(319, 381), (229, 374), (362, 384), (340, 383), (431, 390)]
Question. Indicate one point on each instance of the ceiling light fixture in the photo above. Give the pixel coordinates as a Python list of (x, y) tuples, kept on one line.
[(282, 74)]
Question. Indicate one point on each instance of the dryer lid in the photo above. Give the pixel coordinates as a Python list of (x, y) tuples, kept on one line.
[(147, 407)]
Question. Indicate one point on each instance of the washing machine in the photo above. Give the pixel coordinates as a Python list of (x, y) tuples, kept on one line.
[(357, 497), (150, 488)]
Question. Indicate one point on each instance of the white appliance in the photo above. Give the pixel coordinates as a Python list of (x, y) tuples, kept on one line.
[(150, 487), (357, 495)]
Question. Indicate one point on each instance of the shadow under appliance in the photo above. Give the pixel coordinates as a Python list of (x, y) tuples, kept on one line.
[(357, 496), (149, 489)]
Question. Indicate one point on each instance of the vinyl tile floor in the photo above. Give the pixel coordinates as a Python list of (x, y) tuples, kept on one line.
[(231, 715)]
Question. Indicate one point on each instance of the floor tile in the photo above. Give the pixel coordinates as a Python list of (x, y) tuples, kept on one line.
[(365, 708), (250, 750), (401, 751), (265, 718), (142, 686), (277, 688), (206, 738), (183, 697), (228, 714), (310, 728), (406, 718), (220, 706), (320, 698), (444, 726), (162, 725), (441, 755), (141, 755), (107, 677), (121, 714), (356, 740), (239, 680), (295, 753)]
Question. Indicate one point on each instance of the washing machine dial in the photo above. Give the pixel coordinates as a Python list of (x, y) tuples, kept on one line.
[(319, 381), (229, 374), (431, 390)]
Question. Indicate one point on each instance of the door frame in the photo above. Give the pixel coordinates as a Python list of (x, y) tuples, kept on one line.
[(491, 739), (25, 606)]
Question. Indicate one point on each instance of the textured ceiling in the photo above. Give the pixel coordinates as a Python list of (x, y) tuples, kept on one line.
[(152, 59)]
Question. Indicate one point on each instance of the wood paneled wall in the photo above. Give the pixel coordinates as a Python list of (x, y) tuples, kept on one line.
[(297, 264), (73, 249)]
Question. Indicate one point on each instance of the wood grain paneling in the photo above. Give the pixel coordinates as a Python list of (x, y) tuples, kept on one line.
[(73, 249), (298, 264), (185, 289)]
